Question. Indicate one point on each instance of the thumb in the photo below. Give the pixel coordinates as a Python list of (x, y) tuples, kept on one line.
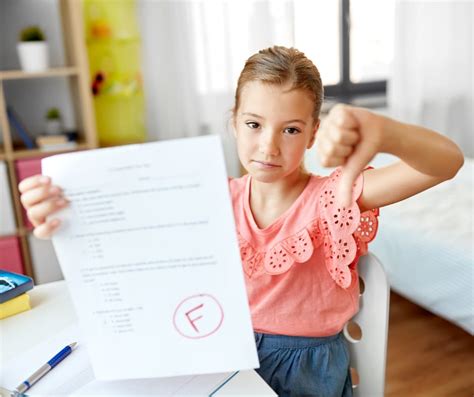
[(353, 167)]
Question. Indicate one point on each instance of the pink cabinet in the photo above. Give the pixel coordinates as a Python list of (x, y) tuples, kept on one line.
[(10, 255), (24, 169)]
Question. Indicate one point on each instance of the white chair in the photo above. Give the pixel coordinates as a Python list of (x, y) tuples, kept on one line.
[(367, 330)]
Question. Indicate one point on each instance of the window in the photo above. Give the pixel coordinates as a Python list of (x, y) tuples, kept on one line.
[(371, 39), (351, 41), (317, 30)]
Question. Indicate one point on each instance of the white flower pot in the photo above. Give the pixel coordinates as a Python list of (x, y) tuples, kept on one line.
[(54, 127), (33, 55)]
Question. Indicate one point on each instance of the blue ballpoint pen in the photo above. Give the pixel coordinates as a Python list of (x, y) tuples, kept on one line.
[(44, 369)]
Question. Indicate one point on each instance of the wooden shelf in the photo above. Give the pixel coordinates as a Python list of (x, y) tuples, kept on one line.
[(78, 79), (18, 154), (24, 231), (29, 153), (55, 72)]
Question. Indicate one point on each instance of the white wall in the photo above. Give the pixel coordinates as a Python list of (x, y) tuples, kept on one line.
[(32, 97)]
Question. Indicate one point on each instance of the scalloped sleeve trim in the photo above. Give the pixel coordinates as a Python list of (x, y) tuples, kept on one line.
[(344, 234), (297, 248), (346, 231)]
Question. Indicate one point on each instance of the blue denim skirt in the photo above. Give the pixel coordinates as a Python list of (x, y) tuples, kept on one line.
[(299, 366)]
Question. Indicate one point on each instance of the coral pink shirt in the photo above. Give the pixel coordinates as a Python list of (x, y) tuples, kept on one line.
[(300, 271)]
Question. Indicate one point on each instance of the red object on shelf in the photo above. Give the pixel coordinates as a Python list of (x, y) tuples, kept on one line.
[(24, 169), (10, 255)]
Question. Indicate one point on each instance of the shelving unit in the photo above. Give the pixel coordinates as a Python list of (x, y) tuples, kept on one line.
[(54, 72), (76, 71)]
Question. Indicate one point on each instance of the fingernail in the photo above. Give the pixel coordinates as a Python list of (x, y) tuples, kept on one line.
[(44, 179), (61, 202), (54, 189), (54, 223)]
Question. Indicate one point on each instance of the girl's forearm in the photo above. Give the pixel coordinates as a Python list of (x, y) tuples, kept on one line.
[(422, 149)]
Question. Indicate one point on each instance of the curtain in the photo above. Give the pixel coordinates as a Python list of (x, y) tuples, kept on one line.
[(193, 52), (432, 81)]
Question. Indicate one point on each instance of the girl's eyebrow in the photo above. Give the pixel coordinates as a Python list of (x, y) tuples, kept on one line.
[(252, 115), (295, 121), (285, 122)]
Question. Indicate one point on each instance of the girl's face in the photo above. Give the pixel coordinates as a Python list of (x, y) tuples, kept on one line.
[(273, 127)]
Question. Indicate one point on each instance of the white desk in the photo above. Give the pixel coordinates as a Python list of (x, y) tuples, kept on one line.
[(52, 311)]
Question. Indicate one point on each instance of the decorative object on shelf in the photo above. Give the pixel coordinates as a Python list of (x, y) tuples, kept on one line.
[(97, 83), (33, 50), (54, 123), (113, 46), (20, 128), (56, 142)]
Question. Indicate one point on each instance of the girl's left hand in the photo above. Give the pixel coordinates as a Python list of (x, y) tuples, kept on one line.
[(349, 137)]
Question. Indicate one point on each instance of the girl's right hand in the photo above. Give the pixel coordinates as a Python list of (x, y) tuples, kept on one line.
[(42, 199)]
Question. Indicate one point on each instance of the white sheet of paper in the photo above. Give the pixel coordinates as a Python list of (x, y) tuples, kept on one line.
[(194, 385), (74, 375), (149, 251)]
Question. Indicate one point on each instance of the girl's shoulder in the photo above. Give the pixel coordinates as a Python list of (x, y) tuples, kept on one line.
[(237, 186)]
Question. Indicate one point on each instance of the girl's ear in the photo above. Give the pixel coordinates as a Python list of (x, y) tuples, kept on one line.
[(313, 136)]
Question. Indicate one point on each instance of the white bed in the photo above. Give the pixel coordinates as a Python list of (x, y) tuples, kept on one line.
[(425, 244)]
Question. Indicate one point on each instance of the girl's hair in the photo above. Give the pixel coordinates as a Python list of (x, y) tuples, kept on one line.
[(282, 65)]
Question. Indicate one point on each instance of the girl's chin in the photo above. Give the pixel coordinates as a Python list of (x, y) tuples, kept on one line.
[(267, 176), (272, 175), (264, 178)]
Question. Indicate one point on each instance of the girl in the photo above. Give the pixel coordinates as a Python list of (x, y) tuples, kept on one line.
[(301, 235)]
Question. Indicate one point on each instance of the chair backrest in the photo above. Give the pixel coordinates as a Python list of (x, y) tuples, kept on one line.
[(367, 330)]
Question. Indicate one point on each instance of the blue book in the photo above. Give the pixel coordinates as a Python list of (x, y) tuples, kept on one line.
[(20, 128), (13, 284)]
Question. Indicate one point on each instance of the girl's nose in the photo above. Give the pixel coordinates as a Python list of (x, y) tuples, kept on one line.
[(269, 143)]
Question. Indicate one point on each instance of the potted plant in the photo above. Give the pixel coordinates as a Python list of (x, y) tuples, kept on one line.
[(53, 121), (33, 50)]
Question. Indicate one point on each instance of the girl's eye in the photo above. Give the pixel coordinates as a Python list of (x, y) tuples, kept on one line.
[(252, 124), (292, 131)]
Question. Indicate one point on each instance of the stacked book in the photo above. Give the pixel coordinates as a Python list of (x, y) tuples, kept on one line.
[(55, 142), (13, 296)]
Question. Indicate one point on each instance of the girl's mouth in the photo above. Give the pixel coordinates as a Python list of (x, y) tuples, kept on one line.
[(265, 165)]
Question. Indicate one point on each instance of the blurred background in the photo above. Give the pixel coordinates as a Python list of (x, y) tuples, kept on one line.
[(130, 71), (411, 58)]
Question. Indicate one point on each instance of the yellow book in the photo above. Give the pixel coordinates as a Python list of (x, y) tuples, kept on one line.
[(16, 305), (51, 139)]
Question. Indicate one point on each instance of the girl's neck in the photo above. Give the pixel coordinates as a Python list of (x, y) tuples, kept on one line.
[(269, 191), (268, 201)]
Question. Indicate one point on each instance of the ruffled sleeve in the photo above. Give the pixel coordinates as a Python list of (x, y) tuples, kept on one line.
[(343, 233), (346, 231)]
